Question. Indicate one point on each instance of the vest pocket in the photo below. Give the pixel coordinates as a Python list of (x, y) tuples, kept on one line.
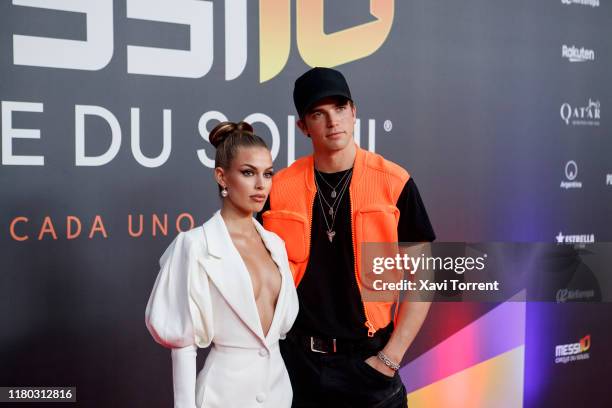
[(292, 227), (377, 223)]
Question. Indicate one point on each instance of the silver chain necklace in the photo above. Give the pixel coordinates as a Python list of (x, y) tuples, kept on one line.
[(333, 192), (332, 205), (330, 229)]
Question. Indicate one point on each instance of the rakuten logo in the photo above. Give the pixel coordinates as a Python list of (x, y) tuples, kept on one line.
[(574, 54)]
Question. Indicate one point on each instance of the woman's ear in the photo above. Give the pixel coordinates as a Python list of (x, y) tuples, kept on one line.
[(220, 177)]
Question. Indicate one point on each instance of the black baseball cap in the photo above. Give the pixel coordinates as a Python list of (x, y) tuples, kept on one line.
[(316, 84)]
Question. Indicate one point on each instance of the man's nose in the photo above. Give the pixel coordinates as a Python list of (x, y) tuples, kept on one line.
[(332, 119)]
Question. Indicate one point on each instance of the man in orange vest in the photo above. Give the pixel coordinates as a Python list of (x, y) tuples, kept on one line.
[(342, 350)]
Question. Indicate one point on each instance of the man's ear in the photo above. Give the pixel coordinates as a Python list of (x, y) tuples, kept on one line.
[(302, 125), (220, 177)]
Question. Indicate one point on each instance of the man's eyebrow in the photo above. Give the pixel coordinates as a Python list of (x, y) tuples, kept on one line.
[(336, 105), (314, 110)]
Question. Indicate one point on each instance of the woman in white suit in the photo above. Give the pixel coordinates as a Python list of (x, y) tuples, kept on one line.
[(228, 283)]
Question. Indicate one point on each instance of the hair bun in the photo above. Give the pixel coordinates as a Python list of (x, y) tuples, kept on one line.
[(226, 129), (244, 127)]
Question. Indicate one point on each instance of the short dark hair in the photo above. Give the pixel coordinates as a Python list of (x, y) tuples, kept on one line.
[(338, 100)]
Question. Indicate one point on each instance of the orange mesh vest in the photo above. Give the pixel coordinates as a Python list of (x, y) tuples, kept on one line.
[(375, 187)]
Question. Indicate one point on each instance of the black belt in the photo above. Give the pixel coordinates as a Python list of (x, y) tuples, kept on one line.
[(325, 345)]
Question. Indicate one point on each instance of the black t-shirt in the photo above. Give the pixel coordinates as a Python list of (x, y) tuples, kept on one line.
[(330, 302)]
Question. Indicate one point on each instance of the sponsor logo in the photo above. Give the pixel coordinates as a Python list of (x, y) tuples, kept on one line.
[(564, 295), (588, 115), (592, 3), (571, 171), (315, 46), (575, 239), (565, 353), (575, 54)]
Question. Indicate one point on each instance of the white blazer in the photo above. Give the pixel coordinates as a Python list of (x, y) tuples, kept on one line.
[(203, 294)]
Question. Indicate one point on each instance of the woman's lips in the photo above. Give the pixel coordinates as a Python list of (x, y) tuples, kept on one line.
[(260, 198)]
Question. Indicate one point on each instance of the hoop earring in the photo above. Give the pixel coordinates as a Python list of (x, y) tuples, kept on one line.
[(224, 192)]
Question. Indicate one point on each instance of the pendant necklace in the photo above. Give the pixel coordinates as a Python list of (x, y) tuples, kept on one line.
[(332, 212), (333, 188), (346, 177)]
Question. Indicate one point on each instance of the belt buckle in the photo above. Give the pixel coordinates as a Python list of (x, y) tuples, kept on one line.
[(314, 349)]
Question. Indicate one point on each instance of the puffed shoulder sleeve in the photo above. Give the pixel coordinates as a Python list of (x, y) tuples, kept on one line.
[(179, 311)]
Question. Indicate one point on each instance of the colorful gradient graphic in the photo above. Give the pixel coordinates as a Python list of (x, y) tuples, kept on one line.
[(274, 37), (315, 46), (328, 50), (482, 365)]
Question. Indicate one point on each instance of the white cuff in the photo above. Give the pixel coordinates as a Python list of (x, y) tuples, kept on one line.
[(184, 376)]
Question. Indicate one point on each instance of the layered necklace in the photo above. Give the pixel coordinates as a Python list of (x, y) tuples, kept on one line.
[(332, 209), (333, 188)]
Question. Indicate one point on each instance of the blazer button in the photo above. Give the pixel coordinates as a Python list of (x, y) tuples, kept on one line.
[(263, 352), (261, 397)]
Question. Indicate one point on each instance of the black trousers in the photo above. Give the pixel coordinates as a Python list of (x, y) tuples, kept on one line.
[(339, 379)]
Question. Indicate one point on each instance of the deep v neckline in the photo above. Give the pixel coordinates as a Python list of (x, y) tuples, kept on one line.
[(245, 269)]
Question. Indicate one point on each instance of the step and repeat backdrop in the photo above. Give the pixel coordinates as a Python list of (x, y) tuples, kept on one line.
[(500, 110)]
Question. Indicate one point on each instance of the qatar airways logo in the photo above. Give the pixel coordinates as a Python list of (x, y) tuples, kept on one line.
[(592, 3), (588, 115), (315, 46), (575, 54)]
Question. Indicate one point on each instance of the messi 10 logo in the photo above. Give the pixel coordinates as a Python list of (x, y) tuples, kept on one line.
[(316, 47), (574, 348)]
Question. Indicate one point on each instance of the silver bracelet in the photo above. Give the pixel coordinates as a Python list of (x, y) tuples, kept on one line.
[(383, 357)]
